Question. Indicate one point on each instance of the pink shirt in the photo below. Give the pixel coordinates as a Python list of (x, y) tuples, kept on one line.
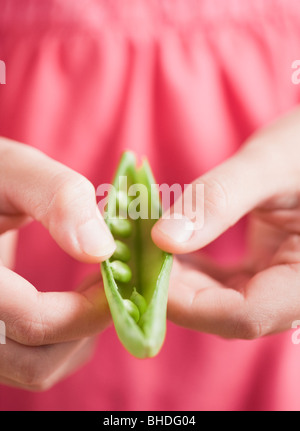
[(184, 83)]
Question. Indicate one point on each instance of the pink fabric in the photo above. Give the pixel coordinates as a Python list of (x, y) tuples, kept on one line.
[(183, 82)]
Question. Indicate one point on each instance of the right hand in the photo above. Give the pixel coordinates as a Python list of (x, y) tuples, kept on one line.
[(49, 334), (261, 295)]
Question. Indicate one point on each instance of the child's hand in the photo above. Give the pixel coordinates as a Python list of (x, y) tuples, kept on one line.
[(48, 334), (262, 296)]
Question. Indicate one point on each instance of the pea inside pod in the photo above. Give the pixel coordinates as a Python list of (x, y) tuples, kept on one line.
[(136, 277), (139, 301), (122, 251), (132, 309)]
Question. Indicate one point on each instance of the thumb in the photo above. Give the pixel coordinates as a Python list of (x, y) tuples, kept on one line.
[(61, 199), (228, 192)]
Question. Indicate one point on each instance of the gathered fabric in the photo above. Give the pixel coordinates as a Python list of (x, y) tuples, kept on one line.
[(184, 83)]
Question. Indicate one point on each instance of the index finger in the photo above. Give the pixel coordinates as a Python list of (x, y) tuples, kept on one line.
[(38, 318), (63, 200)]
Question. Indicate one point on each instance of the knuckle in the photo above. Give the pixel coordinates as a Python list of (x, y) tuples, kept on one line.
[(33, 333), (31, 375), (74, 187), (30, 331), (43, 383), (67, 189), (34, 371), (217, 196), (249, 329)]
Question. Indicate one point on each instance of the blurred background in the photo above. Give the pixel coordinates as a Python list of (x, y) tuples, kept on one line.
[(183, 82)]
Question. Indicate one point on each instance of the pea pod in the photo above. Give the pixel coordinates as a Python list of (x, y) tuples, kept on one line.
[(136, 277)]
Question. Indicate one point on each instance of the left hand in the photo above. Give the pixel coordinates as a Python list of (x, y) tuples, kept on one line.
[(262, 295)]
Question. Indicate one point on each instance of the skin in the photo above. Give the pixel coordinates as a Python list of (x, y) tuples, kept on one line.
[(261, 295), (48, 335)]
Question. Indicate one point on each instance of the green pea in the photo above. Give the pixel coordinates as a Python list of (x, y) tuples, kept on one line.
[(139, 301), (121, 227), (122, 252), (121, 271), (132, 309)]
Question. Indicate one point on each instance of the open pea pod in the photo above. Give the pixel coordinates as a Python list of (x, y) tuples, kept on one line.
[(136, 277)]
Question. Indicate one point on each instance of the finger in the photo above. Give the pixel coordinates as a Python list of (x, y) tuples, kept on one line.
[(39, 368), (61, 199), (272, 300), (89, 280), (268, 303), (39, 318), (288, 252), (199, 302), (204, 264), (263, 241), (287, 220), (8, 243), (13, 221), (80, 356), (261, 170)]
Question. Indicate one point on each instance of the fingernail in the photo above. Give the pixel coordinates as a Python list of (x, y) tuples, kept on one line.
[(95, 239), (179, 228)]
